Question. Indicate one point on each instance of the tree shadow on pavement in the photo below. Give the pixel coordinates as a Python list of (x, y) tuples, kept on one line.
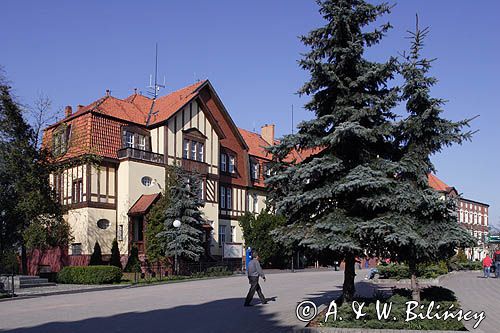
[(227, 315)]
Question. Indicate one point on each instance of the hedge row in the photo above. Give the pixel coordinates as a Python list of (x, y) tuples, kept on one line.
[(89, 274)]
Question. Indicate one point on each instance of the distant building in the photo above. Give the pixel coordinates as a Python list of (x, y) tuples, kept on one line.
[(472, 215)]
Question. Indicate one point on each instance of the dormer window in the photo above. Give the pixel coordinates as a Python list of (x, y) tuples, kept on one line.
[(61, 139), (228, 163), (223, 162), (254, 166), (193, 145), (136, 138)]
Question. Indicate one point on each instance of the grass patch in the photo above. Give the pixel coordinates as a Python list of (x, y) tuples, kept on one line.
[(442, 296)]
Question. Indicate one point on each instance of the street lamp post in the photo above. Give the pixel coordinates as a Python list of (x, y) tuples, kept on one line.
[(177, 225)]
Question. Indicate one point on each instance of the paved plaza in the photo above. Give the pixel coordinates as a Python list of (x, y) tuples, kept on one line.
[(210, 305)]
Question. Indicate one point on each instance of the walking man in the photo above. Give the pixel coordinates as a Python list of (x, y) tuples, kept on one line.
[(254, 271)]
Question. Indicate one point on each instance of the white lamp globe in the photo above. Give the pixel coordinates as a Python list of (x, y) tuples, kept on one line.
[(177, 223)]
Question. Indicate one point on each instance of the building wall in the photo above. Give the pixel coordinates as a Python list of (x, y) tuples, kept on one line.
[(84, 229), (473, 216), (130, 189)]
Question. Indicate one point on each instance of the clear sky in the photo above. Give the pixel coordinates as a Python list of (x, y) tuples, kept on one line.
[(73, 51)]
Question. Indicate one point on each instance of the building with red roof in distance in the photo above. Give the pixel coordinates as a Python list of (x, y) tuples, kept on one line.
[(471, 214)]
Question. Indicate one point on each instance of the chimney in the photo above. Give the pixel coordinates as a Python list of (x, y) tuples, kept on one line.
[(68, 111), (79, 107), (108, 92), (267, 133)]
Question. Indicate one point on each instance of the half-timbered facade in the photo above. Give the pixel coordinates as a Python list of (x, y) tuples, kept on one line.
[(113, 154)]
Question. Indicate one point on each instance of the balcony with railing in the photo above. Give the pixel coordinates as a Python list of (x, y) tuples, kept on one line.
[(139, 154)]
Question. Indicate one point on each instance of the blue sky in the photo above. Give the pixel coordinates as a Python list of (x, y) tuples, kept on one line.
[(73, 51)]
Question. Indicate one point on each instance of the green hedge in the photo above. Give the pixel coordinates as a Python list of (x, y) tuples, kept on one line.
[(401, 271), (89, 274)]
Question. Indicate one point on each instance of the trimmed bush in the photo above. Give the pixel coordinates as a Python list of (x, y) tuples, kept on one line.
[(133, 263), (89, 274), (96, 257), (401, 271), (115, 255)]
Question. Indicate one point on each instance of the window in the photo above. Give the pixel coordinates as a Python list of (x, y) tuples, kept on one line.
[(223, 158), (231, 240), (193, 151), (129, 139), (466, 217), (222, 234), (61, 139), (255, 202), (231, 167), (461, 217), (201, 194), (77, 192), (76, 249), (255, 169), (200, 151), (103, 224), (141, 142), (185, 152), (147, 181), (229, 198), (222, 197), (120, 232), (267, 169)]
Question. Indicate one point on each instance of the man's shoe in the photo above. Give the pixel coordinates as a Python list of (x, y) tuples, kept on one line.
[(264, 302)]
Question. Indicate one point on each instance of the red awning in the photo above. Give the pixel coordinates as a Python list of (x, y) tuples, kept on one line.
[(143, 204)]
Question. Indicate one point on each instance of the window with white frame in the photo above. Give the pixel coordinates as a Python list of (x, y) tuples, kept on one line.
[(199, 147), (231, 240), (222, 197), (193, 151), (255, 202), (231, 166), (120, 232), (254, 165), (76, 249), (222, 234), (229, 194), (185, 151), (223, 162), (461, 216)]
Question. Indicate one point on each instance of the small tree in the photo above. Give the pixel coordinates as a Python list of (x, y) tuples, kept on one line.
[(115, 255), (156, 220), (96, 257), (185, 204), (257, 234), (133, 263)]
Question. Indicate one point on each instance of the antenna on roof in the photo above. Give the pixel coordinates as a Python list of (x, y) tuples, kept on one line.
[(154, 89)]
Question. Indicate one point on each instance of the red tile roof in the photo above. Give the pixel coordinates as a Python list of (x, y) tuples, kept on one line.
[(143, 204), (438, 184), (97, 125), (255, 144)]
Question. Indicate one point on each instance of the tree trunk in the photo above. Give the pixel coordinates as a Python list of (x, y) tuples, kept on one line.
[(24, 260), (415, 290), (348, 288)]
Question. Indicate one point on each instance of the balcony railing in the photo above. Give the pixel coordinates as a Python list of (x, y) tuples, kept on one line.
[(139, 154)]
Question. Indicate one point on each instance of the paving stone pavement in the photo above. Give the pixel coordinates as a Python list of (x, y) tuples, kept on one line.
[(477, 294), (195, 306)]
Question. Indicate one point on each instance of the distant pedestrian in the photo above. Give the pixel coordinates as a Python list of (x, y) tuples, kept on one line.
[(358, 262), (497, 263), (254, 272), (367, 262), (487, 266)]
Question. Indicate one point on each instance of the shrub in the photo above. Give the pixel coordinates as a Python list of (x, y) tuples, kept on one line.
[(89, 274), (115, 255), (401, 271), (96, 257), (133, 263), (218, 271)]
